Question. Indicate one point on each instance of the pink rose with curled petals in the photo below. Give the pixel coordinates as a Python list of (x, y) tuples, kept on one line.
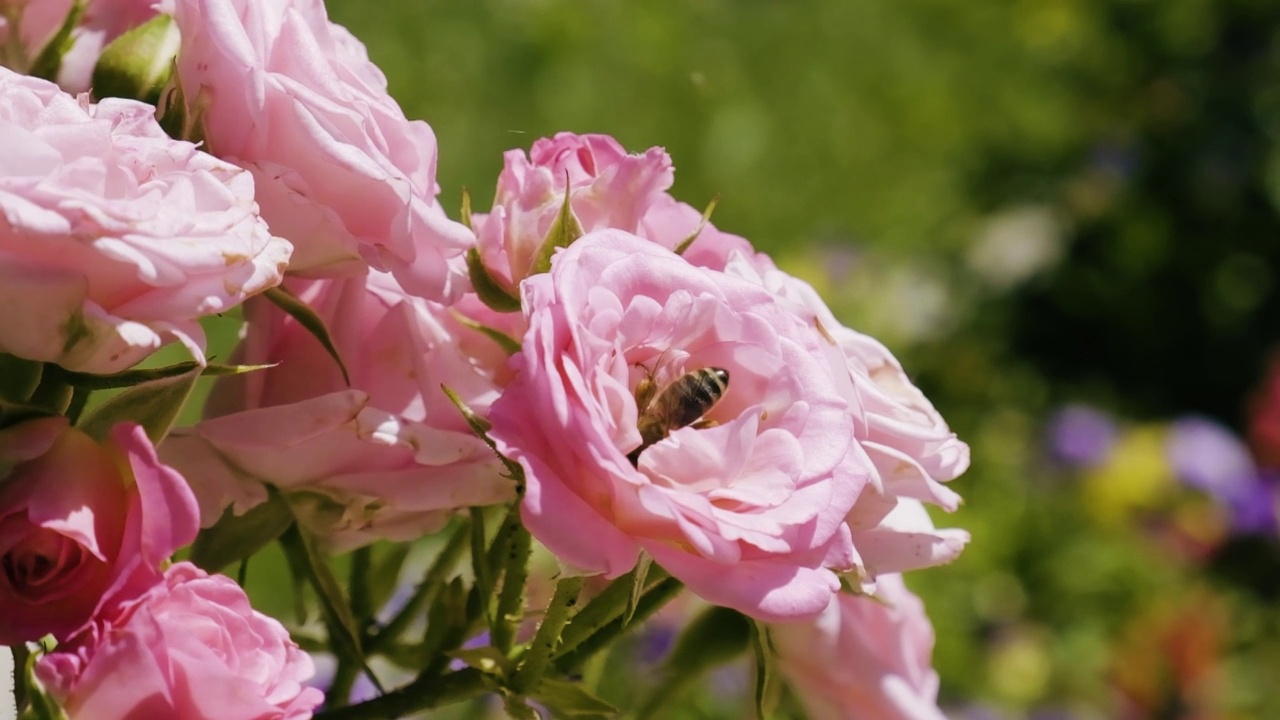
[(102, 21), (193, 648), (863, 657), (389, 457), (912, 449), (83, 526), (608, 188), (745, 506), (114, 238), (293, 98)]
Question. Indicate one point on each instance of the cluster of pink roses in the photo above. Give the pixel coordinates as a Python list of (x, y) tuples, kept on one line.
[(567, 319)]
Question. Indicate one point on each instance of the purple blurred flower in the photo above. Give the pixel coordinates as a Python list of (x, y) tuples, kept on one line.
[(1207, 456), (1080, 436)]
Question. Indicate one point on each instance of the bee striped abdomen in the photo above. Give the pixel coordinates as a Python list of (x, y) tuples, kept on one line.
[(681, 403)]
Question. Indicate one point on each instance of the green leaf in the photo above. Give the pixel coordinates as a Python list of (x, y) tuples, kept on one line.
[(49, 61), (706, 217), (563, 232), (509, 345), (487, 287), (344, 632), (235, 537), (138, 64), (565, 698), (137, 376), (446, 620), (309, 320), (154, 404)]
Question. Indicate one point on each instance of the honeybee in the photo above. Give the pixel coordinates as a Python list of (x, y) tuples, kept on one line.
[(679, 404)]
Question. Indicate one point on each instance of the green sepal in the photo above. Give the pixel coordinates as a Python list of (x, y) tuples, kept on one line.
[(706, 218), (767, 688), (154, 405), (39, 704), (137, 376), (236, 537), (309, 320), (138, 64), (49, 62), (487, 287), (509, 345), (639, 575), (465, 213), (565, 698), (487, 660), (563, 232), (480, 426)]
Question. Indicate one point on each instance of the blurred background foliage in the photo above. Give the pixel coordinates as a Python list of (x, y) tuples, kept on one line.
[(1035, 204)]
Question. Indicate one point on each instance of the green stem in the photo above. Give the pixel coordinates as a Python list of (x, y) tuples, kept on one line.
[(421, 694), (20, 654), (538, 656), (607, 607), (344, 678), (511, 597), (426, 590), (569, 659), (358, 585)]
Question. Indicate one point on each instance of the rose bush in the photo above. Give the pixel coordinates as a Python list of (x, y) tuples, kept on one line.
[(389, 456), (863, 657), (114, 238), (341, 172), (83, 526), (191, 648), (749, 513)]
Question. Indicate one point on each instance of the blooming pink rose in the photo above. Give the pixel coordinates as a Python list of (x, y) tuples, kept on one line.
[(863, 657), (283, 92), (191, 648), (103, 21), (115, 238), (608, 188), (910, 445), (748, 513), (83, 526), (389, 457)]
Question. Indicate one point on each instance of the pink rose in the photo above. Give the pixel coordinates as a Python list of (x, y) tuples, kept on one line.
[(389, 457), (749, 511), (191, 648), (608, 188), (102, 22), (83, 526), (293, 98), (910, 445), (863, 657), (114, 238)]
